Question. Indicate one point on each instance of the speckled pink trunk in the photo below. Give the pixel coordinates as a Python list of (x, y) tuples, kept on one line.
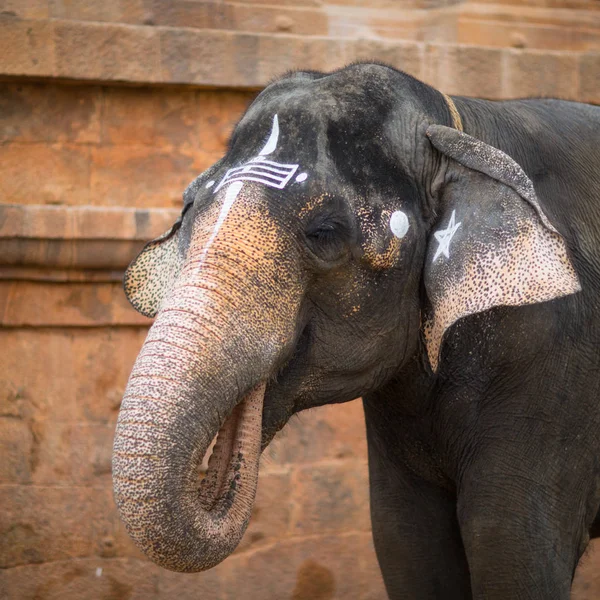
[(182, 390)]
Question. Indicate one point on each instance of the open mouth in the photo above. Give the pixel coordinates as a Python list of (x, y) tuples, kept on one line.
[(233, 464)]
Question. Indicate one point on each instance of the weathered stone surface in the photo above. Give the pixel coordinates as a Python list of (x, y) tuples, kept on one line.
[(527, 26), (83, 579), (541, 74), (118, 11), (219, 112), (74, 254), (331, 497), (66, 375), (39, 524), (26, 46), (44, 174), (153, 117), (32, 9), (465, 70), (320, 434), (589, 78), (194, 121), (72, 453), (315, 568), (194, 586), (271, 513), (84, 222), (16, 450), (102, 51), (144, 169), (236, 16), (42, 112), (30, 304)]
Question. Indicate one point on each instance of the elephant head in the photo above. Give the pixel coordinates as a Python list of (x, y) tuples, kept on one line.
[(344, 231)]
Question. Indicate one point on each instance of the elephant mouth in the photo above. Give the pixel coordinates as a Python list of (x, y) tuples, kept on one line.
[(233, 465)]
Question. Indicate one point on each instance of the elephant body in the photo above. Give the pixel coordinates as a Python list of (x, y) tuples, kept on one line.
[(485, 476), (365, 235)]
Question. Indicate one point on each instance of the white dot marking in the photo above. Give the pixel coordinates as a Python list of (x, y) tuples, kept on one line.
[(302, 177), (399, 224), (210, 184)]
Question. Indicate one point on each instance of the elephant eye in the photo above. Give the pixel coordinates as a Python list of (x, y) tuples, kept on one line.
[(328, 237)]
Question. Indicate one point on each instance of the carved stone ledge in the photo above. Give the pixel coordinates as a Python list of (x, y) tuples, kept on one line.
[(75, 237), (62, 266)]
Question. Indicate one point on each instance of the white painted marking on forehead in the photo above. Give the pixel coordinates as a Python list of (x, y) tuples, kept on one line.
[(271, 144), (399, 224), (210, 183), (302, 177), (261, 170), (231, 194)]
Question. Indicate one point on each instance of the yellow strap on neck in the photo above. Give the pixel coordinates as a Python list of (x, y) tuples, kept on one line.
[(456, 120)]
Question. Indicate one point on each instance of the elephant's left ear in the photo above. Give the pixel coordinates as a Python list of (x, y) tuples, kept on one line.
[(152, 273), (492, 245)]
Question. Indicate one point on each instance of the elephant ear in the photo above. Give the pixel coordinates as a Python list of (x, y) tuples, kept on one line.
[(152, 273), (492, 245)]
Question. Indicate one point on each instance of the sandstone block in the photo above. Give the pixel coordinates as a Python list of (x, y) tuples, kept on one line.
[(32, 9), (44, 173), (320, 434), (200, 57), (43, 112), (102, 51), (331, 497), (293, 3), (271, 513), (465, 70), (589, 78), (108, 536), (118, 11), (65, 375), (46, 304), (42, 222), (238, 17), (83, 579), (533, 73), (154, 177), (16, 449), (150, 116), (73, 453), (277, 54), (39, 524), (193, 586), (26, 46), (332, 567), (219, 112)]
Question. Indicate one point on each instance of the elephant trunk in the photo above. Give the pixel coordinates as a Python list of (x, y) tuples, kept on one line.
[(202, 371)]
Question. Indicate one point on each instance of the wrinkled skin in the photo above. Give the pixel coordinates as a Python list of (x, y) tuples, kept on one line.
[(483, 437)]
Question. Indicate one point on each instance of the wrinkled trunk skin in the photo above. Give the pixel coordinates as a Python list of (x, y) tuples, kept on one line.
[(216, 337)]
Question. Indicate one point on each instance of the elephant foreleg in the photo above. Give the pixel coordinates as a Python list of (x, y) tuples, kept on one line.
[(416, 535)]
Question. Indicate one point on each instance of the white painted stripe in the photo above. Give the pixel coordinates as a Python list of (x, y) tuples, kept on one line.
[(231, 194), (272, 141)]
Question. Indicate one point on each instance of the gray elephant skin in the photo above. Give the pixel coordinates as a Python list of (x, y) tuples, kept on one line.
[(365, 235)]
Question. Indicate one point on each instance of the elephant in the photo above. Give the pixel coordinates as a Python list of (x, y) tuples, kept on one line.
[(366, 235)]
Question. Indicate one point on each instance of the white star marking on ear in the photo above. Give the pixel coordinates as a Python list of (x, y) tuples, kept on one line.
[(444, 236)]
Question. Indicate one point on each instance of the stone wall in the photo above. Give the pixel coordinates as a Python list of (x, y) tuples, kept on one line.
[(107, 110)]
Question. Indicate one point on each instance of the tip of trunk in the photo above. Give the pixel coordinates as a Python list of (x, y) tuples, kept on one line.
[(178, 522)]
